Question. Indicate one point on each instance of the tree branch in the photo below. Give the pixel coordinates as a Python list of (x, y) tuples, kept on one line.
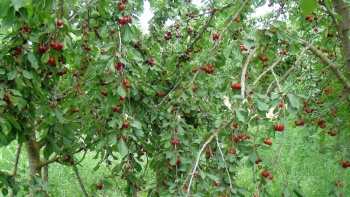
[(245, 69), (18, 153), (81, 183), (278, 84), (267, 70), (223, 159), (329, 63), (286, 74)]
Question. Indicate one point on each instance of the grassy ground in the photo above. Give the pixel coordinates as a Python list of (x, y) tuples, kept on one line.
[(301, 158)]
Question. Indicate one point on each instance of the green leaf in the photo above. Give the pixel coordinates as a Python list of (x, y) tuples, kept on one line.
[(121, 91), (4, 7), (123, 149), (281, 34), (24, 13), (299, 193), (9, 19), (307, 6), (253, 156), (262, 106), (293, 101), (5, 191), (240, 116), (242, 190), (14, 100), (45, 58), (59, 116), (17, 4), (248, 44), (2, 71), (27, 74), (113, 123), (32, 60), (330, 9), (13, 121), (48, 5), (110, 64), (20, 82), (112, 139), (136, 124), (102, 143), (286, 192), (15, 92), (213, 177), (128, 35)]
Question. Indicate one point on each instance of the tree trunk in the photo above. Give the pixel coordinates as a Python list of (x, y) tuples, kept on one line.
[(33, 152)]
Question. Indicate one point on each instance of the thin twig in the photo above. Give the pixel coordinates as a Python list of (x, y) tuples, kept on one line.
[(286, 74), (192, 173), (81, 183), (233, 19), (223, 159), (267, 70), (278, 84), (18, 153), (245, 69)]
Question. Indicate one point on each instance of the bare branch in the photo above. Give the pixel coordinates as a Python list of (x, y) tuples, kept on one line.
[(223, 159), (278, 84), (81, 182), (245, 69), (329, 63), (210, 139), (18, 153), (47, 162), (267, 70), (286, 74), (46, 173), (233, 19)]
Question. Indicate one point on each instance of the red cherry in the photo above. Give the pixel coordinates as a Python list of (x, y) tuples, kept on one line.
[(235, 124), (271, 176), (99, 186), (280, 127), (170, 168), (280, 105), (104, 93), (59, 23), (53, 44), (121, 7), (265, 174), (125, 124)]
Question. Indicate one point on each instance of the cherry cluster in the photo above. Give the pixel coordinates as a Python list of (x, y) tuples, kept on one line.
[(267, 175), (278, 127), (236, 86), (124, 20), (346, 164)]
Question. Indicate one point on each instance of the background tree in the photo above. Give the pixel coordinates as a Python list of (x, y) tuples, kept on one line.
[(79, 77)]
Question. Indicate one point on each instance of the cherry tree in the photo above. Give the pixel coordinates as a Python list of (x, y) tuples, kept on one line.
[(80, 76)]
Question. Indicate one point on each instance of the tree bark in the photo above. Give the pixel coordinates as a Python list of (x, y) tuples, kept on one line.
[(343, 26), (33, 153)]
